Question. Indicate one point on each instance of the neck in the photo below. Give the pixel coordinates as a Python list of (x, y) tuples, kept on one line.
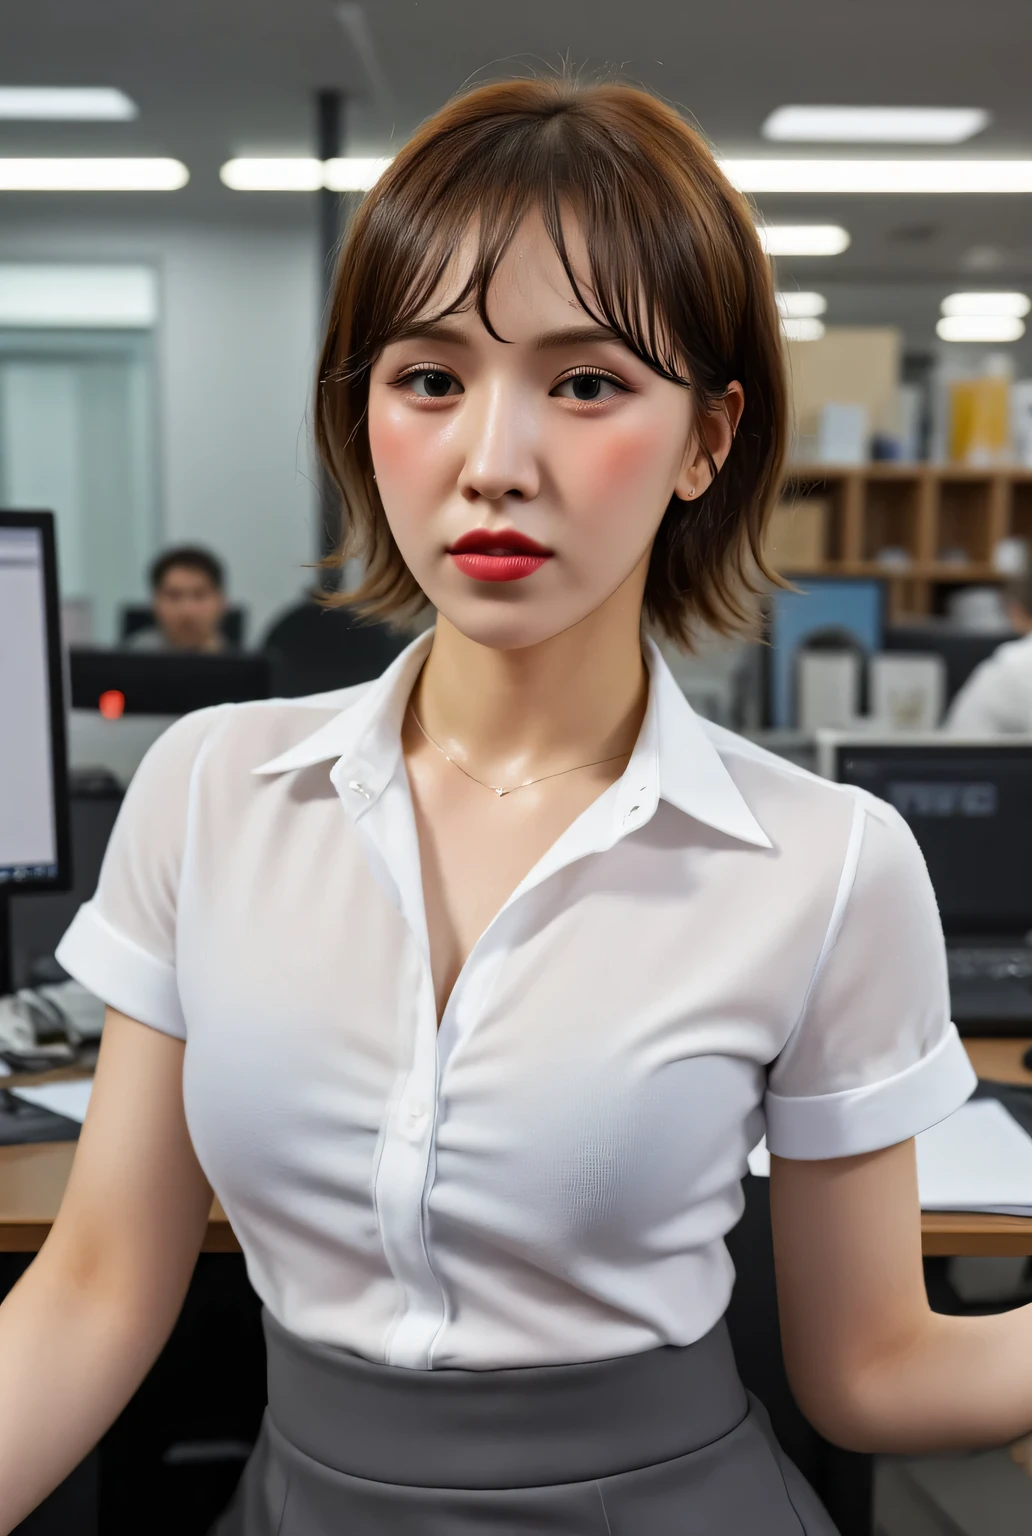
[(579, 695)]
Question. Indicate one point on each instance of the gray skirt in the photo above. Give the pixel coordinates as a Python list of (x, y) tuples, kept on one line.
[(653, 1444)]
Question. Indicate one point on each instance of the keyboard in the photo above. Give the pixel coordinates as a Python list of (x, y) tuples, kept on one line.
[(985, 963), (991, 988)]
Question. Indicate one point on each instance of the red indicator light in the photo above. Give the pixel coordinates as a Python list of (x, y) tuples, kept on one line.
[(112, 704)]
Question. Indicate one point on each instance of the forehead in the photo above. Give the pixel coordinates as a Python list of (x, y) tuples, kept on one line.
[(183, 575), (529, 290)]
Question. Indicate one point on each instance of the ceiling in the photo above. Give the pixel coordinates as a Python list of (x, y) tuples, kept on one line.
[(216, 78)]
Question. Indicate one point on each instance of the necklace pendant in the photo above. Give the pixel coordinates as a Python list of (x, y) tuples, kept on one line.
[(500, 792)]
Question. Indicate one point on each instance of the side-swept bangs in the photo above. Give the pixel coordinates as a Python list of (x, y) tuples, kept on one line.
[(676, 269)]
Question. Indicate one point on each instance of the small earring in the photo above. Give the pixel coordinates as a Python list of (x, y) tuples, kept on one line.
[(691, 490)]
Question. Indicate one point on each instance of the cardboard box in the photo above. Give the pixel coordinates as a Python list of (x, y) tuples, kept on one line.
[(849, 365), (797, 535)]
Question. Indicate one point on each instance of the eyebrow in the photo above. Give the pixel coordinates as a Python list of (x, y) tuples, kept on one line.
[(567, 336)]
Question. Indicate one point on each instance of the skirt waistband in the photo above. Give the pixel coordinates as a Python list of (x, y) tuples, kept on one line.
[(528, 1426)]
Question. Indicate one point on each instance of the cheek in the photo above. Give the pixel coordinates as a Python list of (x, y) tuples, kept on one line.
[(621, 467)]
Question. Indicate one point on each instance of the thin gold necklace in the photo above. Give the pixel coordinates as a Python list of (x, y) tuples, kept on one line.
[(512, 788)]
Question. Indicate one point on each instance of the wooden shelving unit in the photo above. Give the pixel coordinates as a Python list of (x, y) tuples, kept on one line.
[(947, 519)]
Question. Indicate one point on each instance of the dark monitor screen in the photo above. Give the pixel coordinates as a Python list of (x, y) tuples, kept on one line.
[(961, 650), (970, 808), (163, 683), (34, 835)]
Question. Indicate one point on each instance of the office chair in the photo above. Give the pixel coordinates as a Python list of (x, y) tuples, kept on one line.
[(315, 649), (136, 616)]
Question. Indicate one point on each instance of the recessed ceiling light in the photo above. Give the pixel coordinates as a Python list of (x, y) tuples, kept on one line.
[(74, 104), (802, 328), (301, 175), (273, 175), (353, 174), (1014, 304), (980, 328), (798, 306), (880, 176), (803, 239), (92, 175), (875, 125)]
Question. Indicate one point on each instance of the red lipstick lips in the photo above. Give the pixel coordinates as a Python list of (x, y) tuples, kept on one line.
[(502, 555)]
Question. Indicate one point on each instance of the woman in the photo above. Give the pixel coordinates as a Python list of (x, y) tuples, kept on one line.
[(479, 983)]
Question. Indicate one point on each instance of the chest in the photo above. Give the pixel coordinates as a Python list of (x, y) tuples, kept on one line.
[(475, 850)]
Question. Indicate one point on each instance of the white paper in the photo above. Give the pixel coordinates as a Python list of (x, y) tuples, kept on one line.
[(977, 1159), (68, 1099)]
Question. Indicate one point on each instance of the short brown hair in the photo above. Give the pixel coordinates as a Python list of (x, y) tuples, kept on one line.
[(677, 270)]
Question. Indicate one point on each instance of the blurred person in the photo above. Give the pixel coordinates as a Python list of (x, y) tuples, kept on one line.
[(996, 700), (188, 601), (470, 990)]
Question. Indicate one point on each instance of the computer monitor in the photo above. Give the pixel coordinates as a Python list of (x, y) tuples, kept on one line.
[(117, 682), (823, 607), (962, 650), (970, 807), (137, 616), (34, 834)]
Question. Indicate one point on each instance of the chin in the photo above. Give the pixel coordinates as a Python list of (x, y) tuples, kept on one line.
[(504, 625)]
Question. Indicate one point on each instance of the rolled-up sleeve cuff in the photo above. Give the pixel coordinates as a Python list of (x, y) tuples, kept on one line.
[(875, 1115), (120, 973)]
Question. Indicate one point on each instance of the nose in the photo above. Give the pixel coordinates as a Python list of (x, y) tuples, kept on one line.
[(501, 457)]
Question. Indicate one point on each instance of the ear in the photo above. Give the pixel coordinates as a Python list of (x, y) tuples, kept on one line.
[(714, 430)]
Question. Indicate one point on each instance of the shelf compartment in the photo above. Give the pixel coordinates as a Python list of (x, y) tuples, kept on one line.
[(891, 519), (965, 519), (839, 494), (1020, 522)]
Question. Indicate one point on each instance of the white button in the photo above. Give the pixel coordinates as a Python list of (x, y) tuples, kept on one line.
[(416, 1111), (359, 789)]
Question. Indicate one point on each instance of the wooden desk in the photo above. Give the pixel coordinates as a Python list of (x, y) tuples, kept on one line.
[(33, 1179)]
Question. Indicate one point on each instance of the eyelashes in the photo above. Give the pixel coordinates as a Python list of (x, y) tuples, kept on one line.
[(440, 383)]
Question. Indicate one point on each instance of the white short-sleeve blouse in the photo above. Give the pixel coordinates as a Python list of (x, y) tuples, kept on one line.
[(721, 944)]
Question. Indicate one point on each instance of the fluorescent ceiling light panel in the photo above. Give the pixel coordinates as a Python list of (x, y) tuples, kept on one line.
[(56, 295), (875, 125), (802, 328), (301, 174), (1014, 304), (74, 104), (980, 328), (880, 176), (803, 239), (92, 175), (801, 306), (273, 175), (353, 174)]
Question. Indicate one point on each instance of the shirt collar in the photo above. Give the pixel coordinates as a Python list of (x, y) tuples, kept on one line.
[(674, 758)]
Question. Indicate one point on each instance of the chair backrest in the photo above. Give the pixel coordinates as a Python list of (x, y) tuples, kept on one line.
[(315, 649), (137, 616)]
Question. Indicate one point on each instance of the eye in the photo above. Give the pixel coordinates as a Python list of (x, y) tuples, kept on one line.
[(431, 383), (589, 387)]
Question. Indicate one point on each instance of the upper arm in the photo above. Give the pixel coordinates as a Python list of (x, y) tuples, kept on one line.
[(136, 1205), (873, 1061), (847, 1251), (137, 1201)]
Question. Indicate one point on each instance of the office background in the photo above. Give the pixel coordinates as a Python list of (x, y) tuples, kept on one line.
[(156, 359)]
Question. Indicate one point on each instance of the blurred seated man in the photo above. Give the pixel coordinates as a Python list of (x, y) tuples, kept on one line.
[(188, 599), (996, 700)]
